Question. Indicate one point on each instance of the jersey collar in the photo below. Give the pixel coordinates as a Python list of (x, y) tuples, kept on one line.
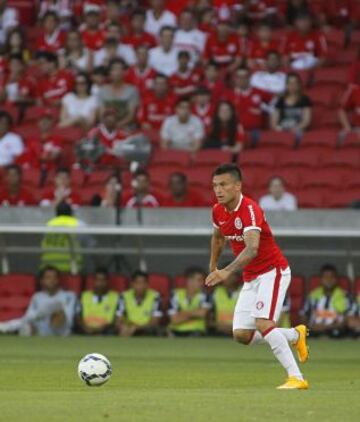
[(238, 205)]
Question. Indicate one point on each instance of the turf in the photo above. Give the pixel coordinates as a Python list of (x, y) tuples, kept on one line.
[(173, 380)]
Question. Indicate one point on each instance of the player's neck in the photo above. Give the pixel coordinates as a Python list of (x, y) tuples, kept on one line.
[(231, 206)]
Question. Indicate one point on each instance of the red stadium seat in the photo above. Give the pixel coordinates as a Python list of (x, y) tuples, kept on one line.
[(87, 193), (257, 178), (292, 179), (314, 282), (348, 158), (321, 137), (160, 176), (17, 284), (70, 135), (98, 177), (16, 303), (31, 177), (170, 157), (357, 287), (322, 178), (342, 198), (352, 140), (299, 159), (325, 95), (179, 282), (311, 198), (276, 138), (297, 296), (200, 177), (77, 177), (335, 37), (71, 282), (160, 283), (257, 158), (118, 282), (212, 157), (334, 75)]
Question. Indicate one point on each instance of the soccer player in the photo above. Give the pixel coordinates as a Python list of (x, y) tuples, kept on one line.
[(266, 273)]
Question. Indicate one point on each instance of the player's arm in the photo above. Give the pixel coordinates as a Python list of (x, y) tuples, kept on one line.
[(252, 242), (217, 246)]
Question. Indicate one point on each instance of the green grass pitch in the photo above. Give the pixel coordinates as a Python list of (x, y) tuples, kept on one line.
[(174, 380)]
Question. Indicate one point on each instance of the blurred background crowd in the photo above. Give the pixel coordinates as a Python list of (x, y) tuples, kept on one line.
[(271, 84)]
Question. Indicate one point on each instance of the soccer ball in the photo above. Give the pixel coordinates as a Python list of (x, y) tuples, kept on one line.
[(94, 369)]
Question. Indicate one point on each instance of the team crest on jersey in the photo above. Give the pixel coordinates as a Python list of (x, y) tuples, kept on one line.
[(238, 223), (259, 305)]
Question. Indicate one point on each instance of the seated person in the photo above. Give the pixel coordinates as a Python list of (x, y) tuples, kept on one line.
[(43, 148), (141, 195), (260, 47), (305, 48), (327, 306), (96, 311), (11, 145), (349, 113), (203, 107), (185, 80), (141, 74), (353, 320), (278, 199), (50, 312), (271, 79), (180, 194), (226, 132), (292, 111), (189, 306), (224, 300), (139, 311), (183, 130), (111, 194), (13, 193), (62, 191)]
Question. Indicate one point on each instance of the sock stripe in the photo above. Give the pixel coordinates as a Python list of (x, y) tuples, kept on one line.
[(266, 332), (275, 294)]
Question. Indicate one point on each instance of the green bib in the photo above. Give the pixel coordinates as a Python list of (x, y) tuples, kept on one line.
[(139, 313), (186, 305), (97, 314), (60, 260), (337, 301), (224, 305)]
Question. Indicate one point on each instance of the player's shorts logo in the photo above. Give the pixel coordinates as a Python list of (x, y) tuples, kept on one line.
[(238, 223), (259, 305)]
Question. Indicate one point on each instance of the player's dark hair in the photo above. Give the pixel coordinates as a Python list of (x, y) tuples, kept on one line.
[(228, 168), (328, 267), (102, 270), (139, 273), (63, 208), (191, 271)]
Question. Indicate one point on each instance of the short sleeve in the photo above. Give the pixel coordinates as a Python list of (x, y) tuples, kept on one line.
[(215, 221), (252, 218), (165, 131)]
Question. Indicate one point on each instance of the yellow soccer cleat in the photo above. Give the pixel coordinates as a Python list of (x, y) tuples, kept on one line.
[(293, 383), (301, 345)]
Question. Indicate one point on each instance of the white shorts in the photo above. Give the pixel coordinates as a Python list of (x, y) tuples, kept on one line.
[(261, 298)]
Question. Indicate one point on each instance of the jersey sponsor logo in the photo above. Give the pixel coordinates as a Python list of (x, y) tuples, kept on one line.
[(252, 215), (236, 238), (238, 223), (259, 305)]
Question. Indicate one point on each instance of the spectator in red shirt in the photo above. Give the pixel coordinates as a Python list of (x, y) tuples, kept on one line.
[(93, 35), (349, 113), (157, 105), (108, 134), (213, 81), (141, 195), (61, 192), (223, 48), (305, 48), (250, 103), (180, 195), (203, 107), (13, 193), (55, 82), (18, 87), (226, 132), (138, 36), (261, 46), (185, 80), (141, 74), (44, 148), (52, 37)]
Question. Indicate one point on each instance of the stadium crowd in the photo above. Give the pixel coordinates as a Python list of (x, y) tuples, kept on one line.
[(252, 81), (109, 306)]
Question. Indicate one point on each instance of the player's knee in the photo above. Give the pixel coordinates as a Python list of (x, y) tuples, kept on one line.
[(242, 336), (263, 324)]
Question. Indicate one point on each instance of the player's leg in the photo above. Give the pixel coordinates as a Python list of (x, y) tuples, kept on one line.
[(270, 298), (243, 322)]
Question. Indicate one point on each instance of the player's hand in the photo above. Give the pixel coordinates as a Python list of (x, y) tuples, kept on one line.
[(216, 277)]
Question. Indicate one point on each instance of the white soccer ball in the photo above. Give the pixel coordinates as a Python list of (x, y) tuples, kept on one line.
[(94, 369)]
